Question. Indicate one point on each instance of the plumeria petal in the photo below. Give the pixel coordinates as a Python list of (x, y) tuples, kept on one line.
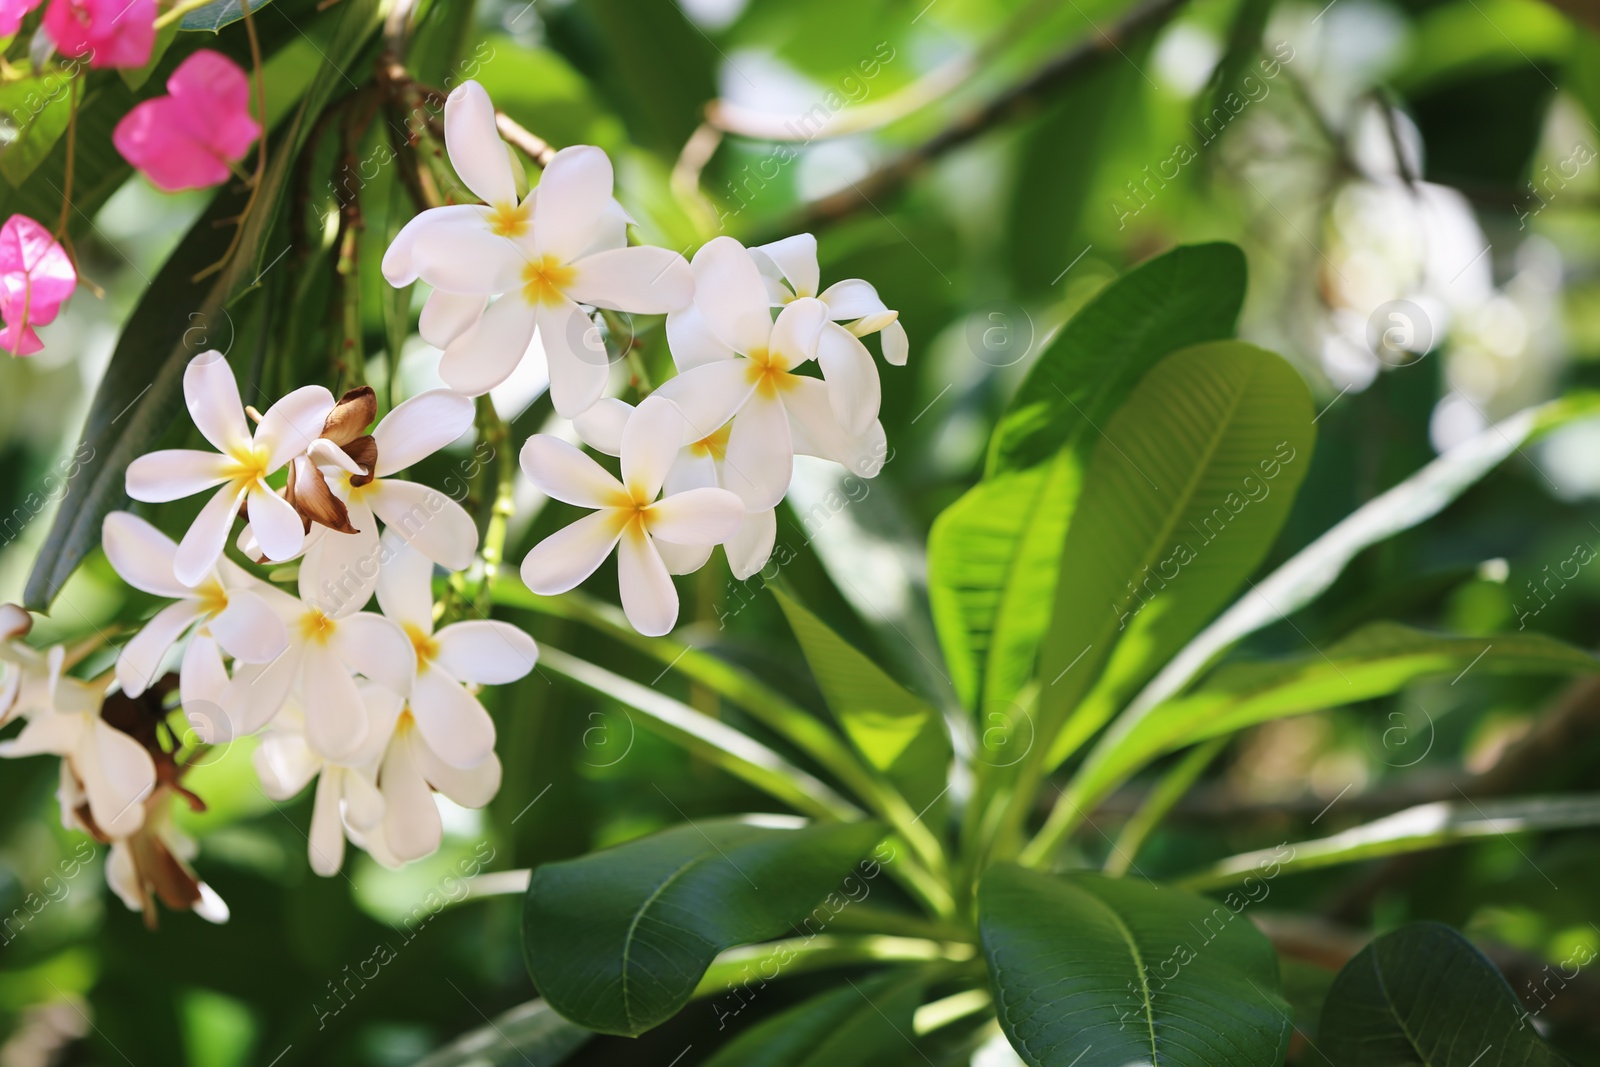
[(255, 695), (411, 824), (696, 517), (446, 316), (797, 330), (485, 652), (399, 262), (650, 442), (249, 630), (573, 202), (212, 394), (730, 295), (578, 372), (476, 151), (471, 787), (694, 468), (601, 426), (487, 353), (336, 718), (760, 457), (141, 555), (325, 843), (468, 259), (291, 424), (203, 684), (202, 546), (568, 556), (140, 661), (649, 598), (436, 525), (378, 648), (405, 585), (683, 559), (852, 298), (815, 431), (451, 720), (710, 395), (117, 775), (175, 473), (278, 528), (285, 764), (896, 346), (750, 548), (561, 471), (419, 427), (795, 260), (691, 341), (642, 280), (340, 571), (852, 377)]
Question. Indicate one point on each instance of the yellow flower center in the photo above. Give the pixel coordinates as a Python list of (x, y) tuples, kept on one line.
[(509, 219), (544, 279), (247, 464), (213, 598), (405, 722), (769, 372), (715, 445), (315, 626), (427, 648)]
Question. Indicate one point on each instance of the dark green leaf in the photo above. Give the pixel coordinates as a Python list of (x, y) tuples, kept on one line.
[(222, 13), (993, 554), (528, 1033), (617, 940), (867, 1021), (1423, 996), (1091, 971), (38, 108), (1183, 499)]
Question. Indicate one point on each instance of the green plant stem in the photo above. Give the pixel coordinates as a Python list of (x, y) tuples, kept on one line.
[(492, 430), (1168, 792), (797, 955)]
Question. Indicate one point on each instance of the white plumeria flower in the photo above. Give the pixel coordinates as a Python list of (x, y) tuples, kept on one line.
[(699, 463), (544, 274), (345, 566), (113, 771), (153, 863), (241, 465), (223, 606), (789, 267), (347, 793), (738, 363), (475, 651), (487, 166), (329, 642), (628, 516), (26, 685)]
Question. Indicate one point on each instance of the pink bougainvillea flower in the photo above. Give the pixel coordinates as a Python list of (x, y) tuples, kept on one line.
[(111, 33), (36, 277), (188, 140), (11, 13)]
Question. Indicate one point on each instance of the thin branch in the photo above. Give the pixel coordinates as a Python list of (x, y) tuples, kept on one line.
[(532, 145)]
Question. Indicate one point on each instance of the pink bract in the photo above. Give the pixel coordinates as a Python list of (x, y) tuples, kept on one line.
[(11, 13), (36, 278), (188, 139), (111, 33)]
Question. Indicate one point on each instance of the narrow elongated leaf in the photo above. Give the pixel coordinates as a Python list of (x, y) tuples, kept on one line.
[(1425, 826), (863, 1022), (528, 1033), (992, 555), (1423, 996), (1091, 971), (1313, 569), (139, 396), (1196, 476), (897, 732), (222, 13), (617, 940), (1374, 661)]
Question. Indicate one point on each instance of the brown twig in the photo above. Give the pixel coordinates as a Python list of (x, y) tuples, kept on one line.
[(530, 144)]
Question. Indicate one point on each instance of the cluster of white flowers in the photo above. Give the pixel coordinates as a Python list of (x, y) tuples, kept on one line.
[(377, 706)]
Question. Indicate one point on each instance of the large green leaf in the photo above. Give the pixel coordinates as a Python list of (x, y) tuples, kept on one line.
[(993, 553), (140, 394), (897, 732), (1374, 661), (1423, 827), (39, 107), (1184, 498), (528, 1033), (617, 940), (1091, 971), (217, 15), (1423, 996), (864, 1022)]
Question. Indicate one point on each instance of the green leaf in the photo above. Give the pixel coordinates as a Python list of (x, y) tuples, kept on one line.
[(1183, 499), (1423, 996), (1374, 661), (1211, 114), (896, 731), (994, 552), (222, 13), (1313, 569), (528, 1033), (1091, 971), (863, 1022), (140, 395), (1415, 829), (617, 940), (39, 107)]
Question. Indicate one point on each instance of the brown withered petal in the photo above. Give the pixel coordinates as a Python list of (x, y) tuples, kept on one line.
[(308, 493), (364, 450), (351, 416)]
